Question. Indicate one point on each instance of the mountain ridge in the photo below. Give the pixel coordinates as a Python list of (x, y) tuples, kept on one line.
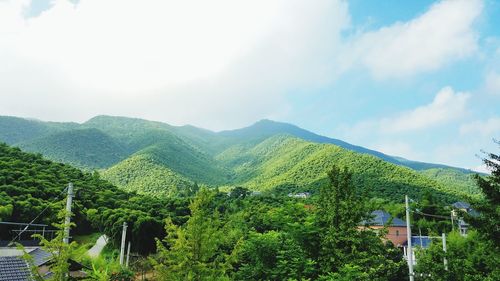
[(254, 156)]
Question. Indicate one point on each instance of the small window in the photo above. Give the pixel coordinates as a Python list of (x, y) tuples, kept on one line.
[(397, 232)]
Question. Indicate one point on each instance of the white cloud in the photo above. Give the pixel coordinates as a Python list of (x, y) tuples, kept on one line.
[(492, 83), (446, 106), (404, 133), (482, 169), (485, 128), (217, 64), (443, 34), (210, 63), (397, 148)]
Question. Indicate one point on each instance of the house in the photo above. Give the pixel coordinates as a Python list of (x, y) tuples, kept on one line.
[(464, 207), (14, 268), (420, 241), (463, 227), (302, 195), (396, 228)]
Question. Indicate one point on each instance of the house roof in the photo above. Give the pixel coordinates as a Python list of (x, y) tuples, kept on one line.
[(40, 256), (461, 205), (420, 241), (14, 269), (381, 218)]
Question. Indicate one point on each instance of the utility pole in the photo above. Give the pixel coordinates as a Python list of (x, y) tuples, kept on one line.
[(453, 214), (124, 236), (128, 254), (445, 261), (69, 201), (409, 253)]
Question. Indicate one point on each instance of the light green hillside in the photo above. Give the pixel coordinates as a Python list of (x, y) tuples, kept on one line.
[(284, 160), (142, 174)]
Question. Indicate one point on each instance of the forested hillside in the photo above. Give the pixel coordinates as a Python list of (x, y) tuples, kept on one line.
[(157, 158), (28, 183), (464, 182), (82, 148), (287, 161)]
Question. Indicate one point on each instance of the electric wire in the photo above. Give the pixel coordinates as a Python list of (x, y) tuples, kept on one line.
[(39, 214)]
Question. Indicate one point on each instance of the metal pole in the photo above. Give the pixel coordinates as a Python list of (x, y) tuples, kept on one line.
[(408, 235), (445, 261), (452, 223), (128, 254), (122, 249), (68, 213)]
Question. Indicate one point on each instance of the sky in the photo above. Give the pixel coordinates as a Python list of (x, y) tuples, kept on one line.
[(416, 79)]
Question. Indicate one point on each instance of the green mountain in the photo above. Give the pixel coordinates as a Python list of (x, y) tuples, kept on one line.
[(143, 174), (266, 128), (84, 148), (14, 130), (463, 182), (288, 161), (157, 158)]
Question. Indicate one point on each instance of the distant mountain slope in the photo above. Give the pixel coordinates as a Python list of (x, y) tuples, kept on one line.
[(451, 177), (185, 160), (84, 148), (142, 174), (155, 157), (14, 129), (288, 161), (267, 128)]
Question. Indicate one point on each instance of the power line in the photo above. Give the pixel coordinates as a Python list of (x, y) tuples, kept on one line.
[(430, 215), (39, 214)]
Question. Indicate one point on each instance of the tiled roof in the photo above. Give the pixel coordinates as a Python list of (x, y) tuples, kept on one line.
[(420, 241), (381, 218), (461, 205), (14, 269), (40, 256)]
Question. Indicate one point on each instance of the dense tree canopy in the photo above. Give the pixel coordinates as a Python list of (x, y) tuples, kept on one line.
[(28, 183)]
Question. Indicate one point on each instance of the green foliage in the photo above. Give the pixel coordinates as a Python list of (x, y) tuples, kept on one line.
[(107, 268), (60, 252), (488, 218), (469, 258), (273, 255), (29, 183), (457, 179), (193, 252), (345, 250)]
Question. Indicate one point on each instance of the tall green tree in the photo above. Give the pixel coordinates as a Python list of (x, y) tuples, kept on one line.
[(346, 251), (340, 210), (192, 251), (487, 222)]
